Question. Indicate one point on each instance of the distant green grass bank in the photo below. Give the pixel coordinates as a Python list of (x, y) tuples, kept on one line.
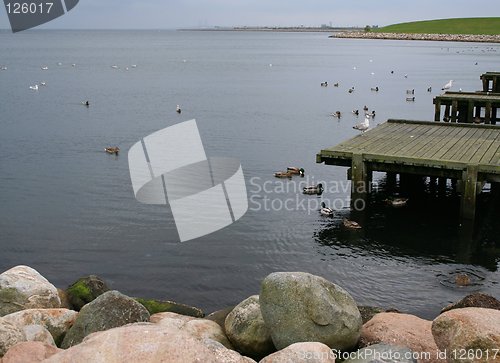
[(473, 26)]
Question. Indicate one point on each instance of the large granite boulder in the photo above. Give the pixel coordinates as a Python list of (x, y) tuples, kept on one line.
[(85, 290), (56, 321), (307, 352), (111, 309), (147, 342), (219, 316), (198, 328), (300, 307), (476, 300), (247, 331), (382, 353), (30, 352), (402, 330), (468, 334), (10, 335), (22, 287), (38, 333)]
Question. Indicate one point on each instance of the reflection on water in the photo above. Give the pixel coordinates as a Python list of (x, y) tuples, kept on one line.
[(427, 226)]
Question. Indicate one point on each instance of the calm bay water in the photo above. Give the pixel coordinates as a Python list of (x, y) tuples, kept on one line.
[(68, 209)]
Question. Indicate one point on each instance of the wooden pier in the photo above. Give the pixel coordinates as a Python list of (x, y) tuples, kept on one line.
[(491, 82), (467, 153), (468, 107)]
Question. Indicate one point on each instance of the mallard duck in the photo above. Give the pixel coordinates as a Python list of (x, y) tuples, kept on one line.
[(295, 170), (356, 112), (462, 279), (178, 109), (324, 84), (374, 89), (350, 224), (112, 150), (318, 189), (396, 202), (326, 211), (283, 174)]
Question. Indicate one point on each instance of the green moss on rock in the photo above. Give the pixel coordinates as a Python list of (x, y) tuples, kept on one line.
[(11, 300), (158, 306), (85, 290)]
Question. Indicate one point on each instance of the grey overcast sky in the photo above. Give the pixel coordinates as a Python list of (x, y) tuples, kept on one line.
[(159, 14)]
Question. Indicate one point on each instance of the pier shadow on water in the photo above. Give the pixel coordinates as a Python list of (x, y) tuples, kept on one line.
[(427, 227)]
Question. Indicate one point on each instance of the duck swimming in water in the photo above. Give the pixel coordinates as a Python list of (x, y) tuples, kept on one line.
[(295, 170), (283, 174), (462, 279), (328, 212), (311, 190), (396, 202), (350, 224), (112, 150)]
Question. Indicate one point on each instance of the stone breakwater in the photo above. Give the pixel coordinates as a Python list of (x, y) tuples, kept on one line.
[(296, 317), (410, 36)]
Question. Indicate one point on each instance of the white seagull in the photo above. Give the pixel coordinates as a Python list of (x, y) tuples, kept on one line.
[(34, 88), (447, 85), (364, 125)]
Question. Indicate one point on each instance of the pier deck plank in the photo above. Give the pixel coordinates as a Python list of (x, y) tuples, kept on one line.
[(444, 146)]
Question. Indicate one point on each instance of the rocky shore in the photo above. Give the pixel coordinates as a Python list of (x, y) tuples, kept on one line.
[(296, 318), (409, 36)]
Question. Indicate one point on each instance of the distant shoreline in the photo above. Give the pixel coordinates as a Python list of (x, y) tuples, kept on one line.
[(416, 36), (276, 29)]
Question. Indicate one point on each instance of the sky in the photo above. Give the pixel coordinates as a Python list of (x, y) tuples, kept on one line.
[(171, 14)]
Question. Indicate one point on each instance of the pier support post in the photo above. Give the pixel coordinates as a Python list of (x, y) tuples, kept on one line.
[(470, 189), (446, 117), (442, 183), (487, 115), (390, 182), (477, 114), (360, 187), (454, 111), (437, 111), (470, 112), (486, 85)]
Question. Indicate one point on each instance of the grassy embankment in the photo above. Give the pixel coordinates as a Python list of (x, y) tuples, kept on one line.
[(474, 26)]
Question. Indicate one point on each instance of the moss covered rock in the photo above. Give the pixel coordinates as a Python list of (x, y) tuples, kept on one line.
[(22, 288), (246, 330), (110, 310), (300, 307), (85, 290), (158, 306)]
